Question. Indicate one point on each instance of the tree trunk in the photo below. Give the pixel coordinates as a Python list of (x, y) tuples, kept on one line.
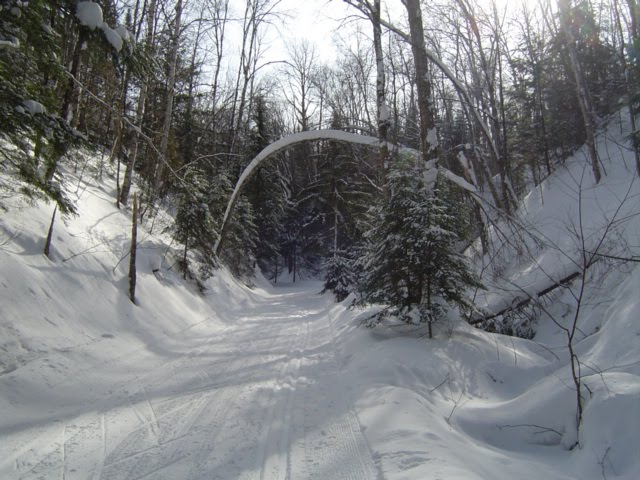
[(191, 139), (47, 243), (383, 109), (140, 110), (428, 131), (634, 11), (171, 82), (69, 98), (632, 73), (184, 257), (133, 250), (115, 157), (582, 93), (70, 91)]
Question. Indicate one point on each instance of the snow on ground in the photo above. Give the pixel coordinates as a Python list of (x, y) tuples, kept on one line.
[(282, 383)]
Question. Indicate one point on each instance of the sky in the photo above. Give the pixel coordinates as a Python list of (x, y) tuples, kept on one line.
[(317, 21), (321, 21)]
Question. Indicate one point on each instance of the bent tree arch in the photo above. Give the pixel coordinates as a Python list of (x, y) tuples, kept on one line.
[(294, 139), (278, 145)]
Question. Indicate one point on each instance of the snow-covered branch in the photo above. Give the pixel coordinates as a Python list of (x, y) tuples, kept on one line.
[(281, 144)]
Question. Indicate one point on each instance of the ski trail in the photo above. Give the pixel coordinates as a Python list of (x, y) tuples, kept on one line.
[(332, 442), (275, 451), (260, 399)]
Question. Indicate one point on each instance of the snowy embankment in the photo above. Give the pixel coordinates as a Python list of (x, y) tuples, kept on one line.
[(274, 383), (475, 405)]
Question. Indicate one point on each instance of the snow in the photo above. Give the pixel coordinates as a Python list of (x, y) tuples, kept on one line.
[(432, 138), (33, 107), (48, 29), (385, 114), (89, 14), (112, 36), (458, 180), (431, 174), (124, 33), (14, 43), (287, 142), (467, 167), (280, 382)]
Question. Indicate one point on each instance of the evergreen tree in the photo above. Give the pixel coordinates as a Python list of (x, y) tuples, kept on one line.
[(240, 242), (341, 273), (412, 260), (30, 68), (266, 190), (194, 224)]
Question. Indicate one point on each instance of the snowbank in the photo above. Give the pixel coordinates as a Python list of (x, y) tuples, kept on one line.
[(80, 364)]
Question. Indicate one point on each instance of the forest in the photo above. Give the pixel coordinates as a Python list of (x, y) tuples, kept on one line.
[(325, 239), (467, 106)]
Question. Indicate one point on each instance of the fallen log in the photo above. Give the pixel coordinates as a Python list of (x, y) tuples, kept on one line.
[(518, 302)]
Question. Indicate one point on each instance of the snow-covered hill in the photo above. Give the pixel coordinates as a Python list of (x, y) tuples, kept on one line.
[(280, 382)]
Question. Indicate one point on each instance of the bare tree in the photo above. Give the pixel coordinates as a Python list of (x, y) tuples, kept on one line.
[(171, 82), (218, 12), (142, 98), (428, 131), (372, 10), (257, 15), (297, 91), (582, 91)]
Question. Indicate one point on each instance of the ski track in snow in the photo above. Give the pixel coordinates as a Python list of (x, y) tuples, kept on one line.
[(261, 399)]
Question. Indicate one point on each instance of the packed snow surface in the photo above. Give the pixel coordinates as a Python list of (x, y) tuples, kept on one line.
[(279, 382)]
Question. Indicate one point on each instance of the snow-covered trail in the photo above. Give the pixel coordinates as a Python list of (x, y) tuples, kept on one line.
[(258, 399)]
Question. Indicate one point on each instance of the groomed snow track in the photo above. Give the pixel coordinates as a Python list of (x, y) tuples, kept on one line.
[(230, 404)]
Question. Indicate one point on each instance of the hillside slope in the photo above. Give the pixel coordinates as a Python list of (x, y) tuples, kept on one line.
[(283, 383)]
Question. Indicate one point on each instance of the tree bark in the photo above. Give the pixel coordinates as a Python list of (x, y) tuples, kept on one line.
[(133, 251), (70, 91), (171, 82), (633, 76), (47, 243), (383, 109), (582, 92), (634, 11), (140, 110), (428, 132)]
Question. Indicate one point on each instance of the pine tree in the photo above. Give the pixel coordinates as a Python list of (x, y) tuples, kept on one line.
[(240, 242), (412, 260), (341, 272), (194, 223), (266, 190), (30, 66)]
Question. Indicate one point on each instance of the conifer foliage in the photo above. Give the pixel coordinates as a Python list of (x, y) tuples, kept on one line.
[(29, 66), (160, 88), (412, 263), (194, 223)]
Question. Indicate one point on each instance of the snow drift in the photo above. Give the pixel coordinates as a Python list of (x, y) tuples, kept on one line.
[(284, 383)]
